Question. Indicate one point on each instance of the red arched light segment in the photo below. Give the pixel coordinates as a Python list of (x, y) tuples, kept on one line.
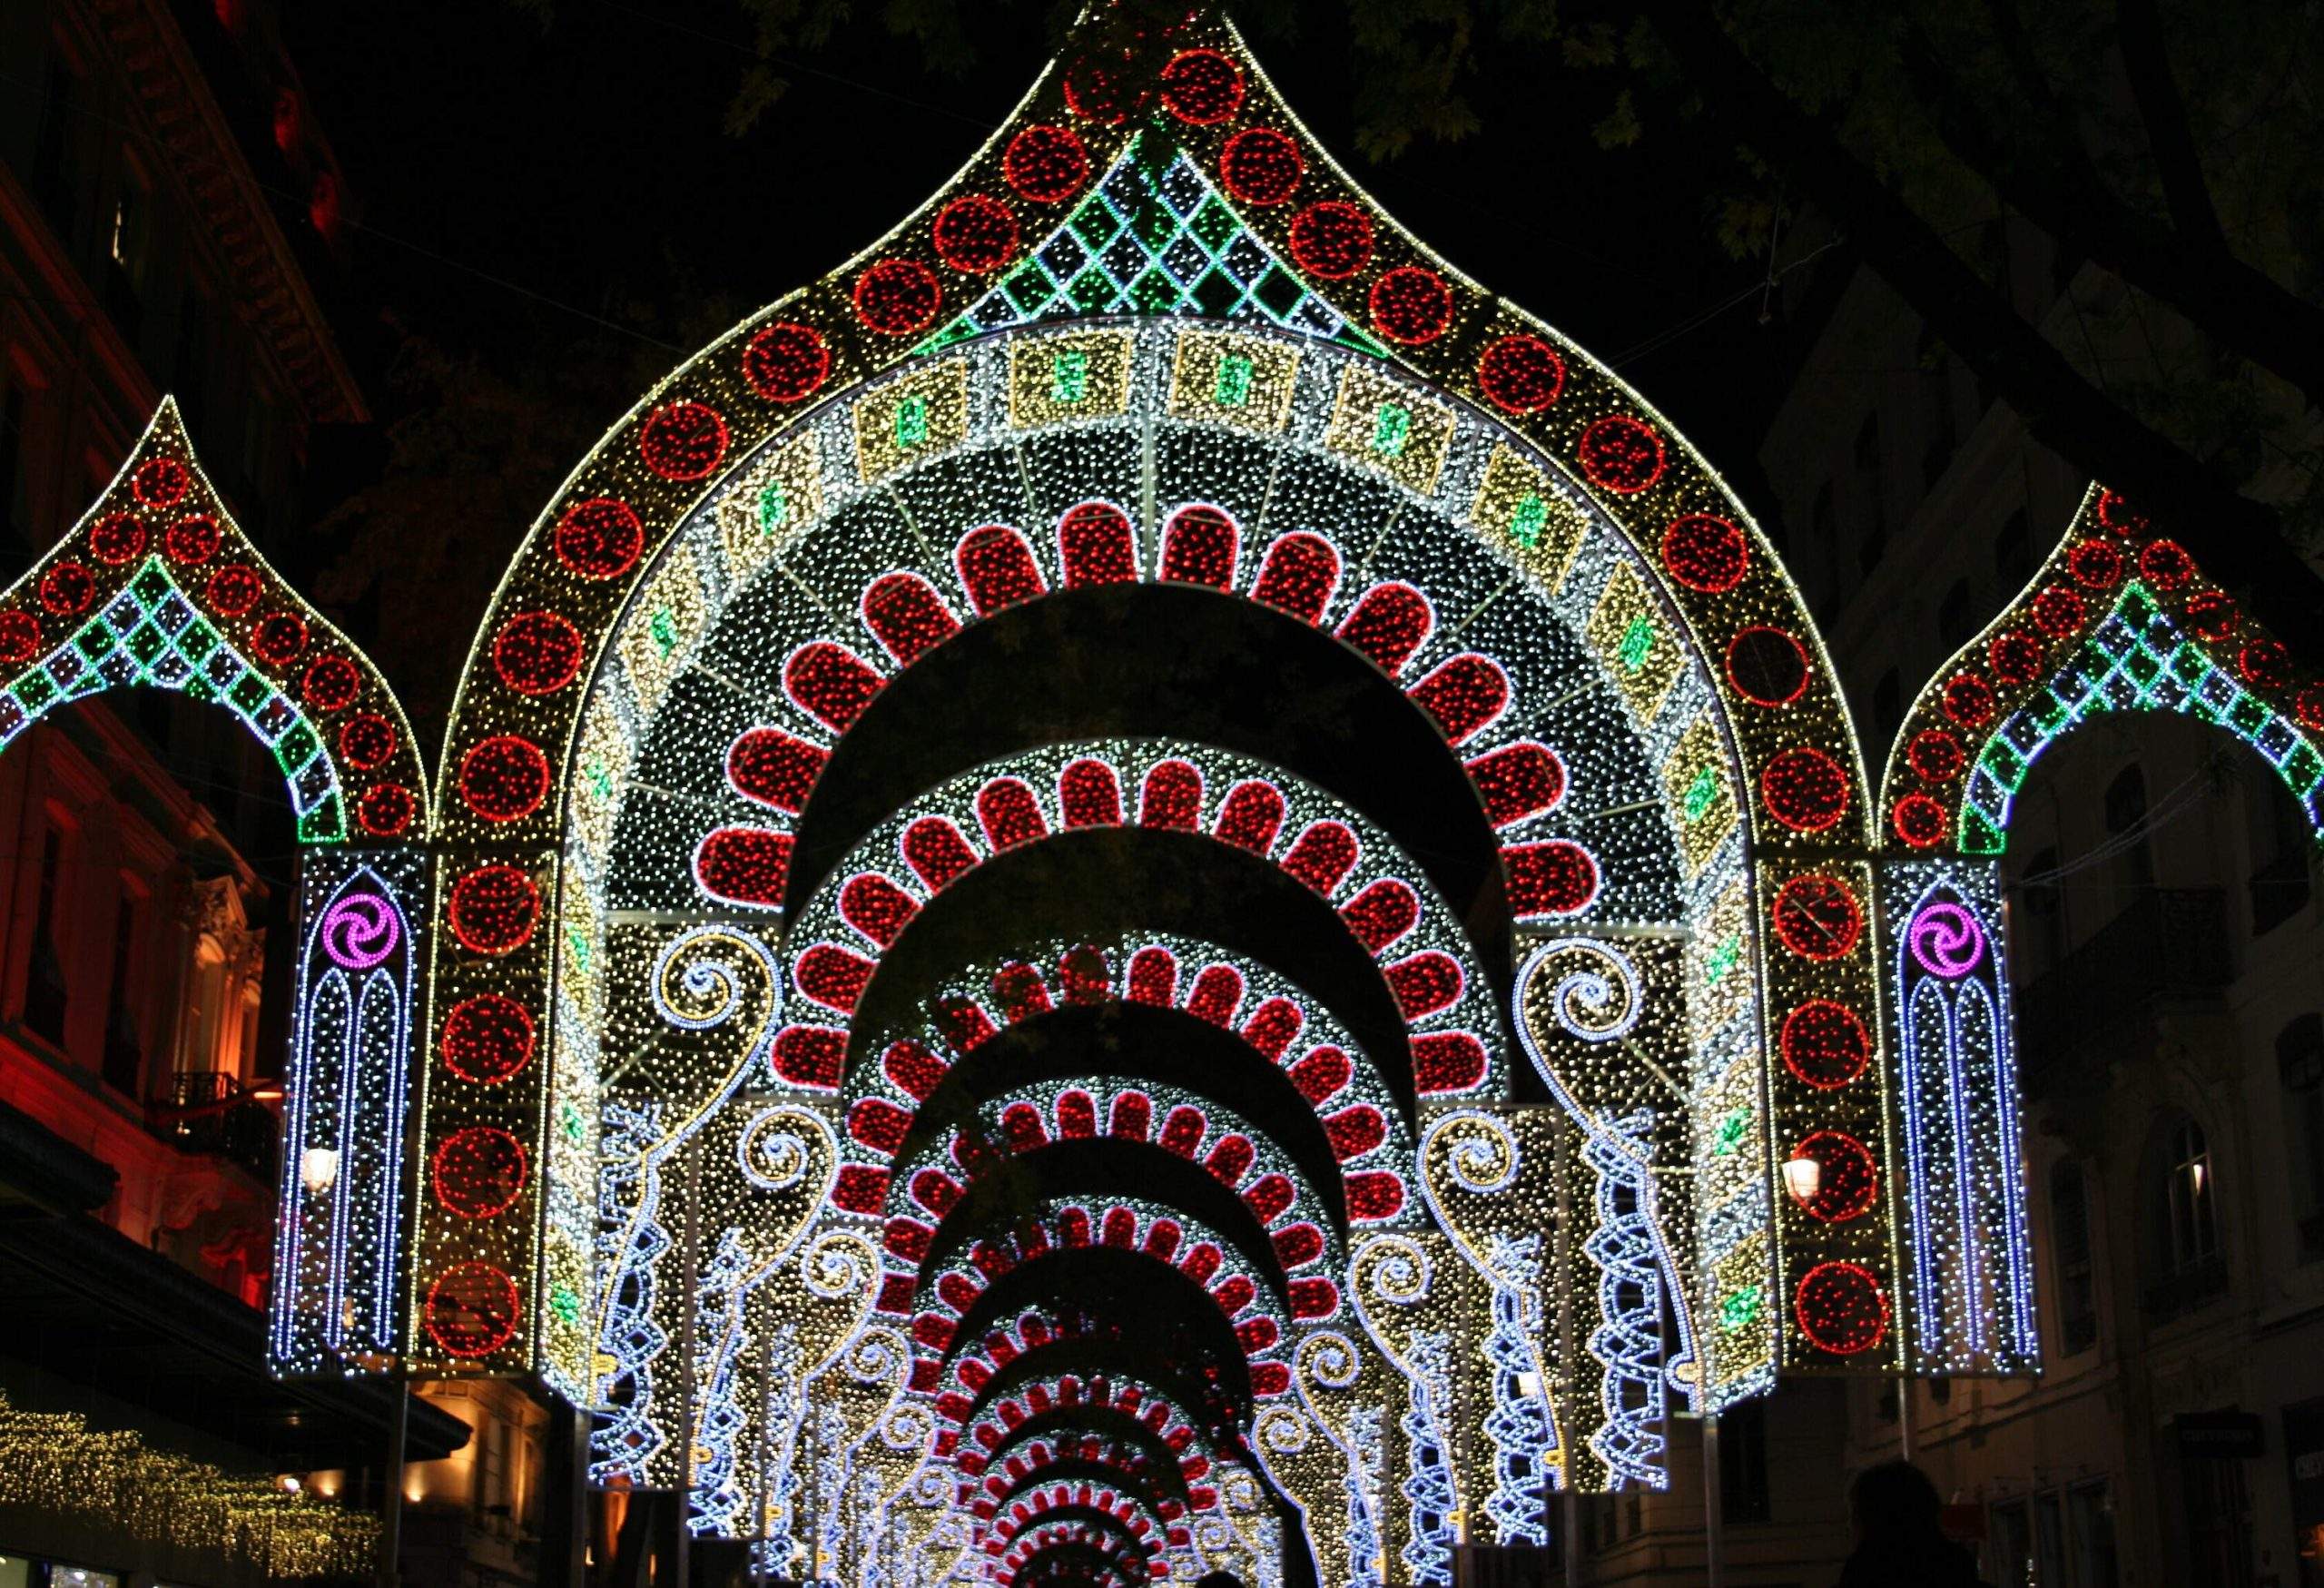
[(833, 681)]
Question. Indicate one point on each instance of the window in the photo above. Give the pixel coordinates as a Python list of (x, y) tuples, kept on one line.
[(56, 156), (1743, 1464), (2070, 1251), (1953, 616), (2184, 1267), (2013, 552), (128, 248), (2090, 1536), (44, 991), (2299, 1066), (2279, 845), (2011, 1542), (2126, 820), (124, 1061)]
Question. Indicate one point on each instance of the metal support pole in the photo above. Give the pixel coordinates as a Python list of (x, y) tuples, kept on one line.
[(1714, 1518), (391, 1501), (1904, 1414), (1569, 1525)]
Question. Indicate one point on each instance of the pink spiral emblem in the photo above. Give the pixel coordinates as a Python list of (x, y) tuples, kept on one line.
[(361, 931), (1946, 940)]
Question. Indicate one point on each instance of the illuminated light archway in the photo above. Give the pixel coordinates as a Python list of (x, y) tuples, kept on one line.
[(2118, 619), (814, 669)]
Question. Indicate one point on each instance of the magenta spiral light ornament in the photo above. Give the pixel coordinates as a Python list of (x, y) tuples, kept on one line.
[(361, 931), (1946, 940)]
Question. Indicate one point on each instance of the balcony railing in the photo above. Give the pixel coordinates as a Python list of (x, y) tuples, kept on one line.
[(211, 1113), (2168, 942)]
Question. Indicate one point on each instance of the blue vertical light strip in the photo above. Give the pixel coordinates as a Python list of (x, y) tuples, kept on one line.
[(339, 1246), (1971, 1304)]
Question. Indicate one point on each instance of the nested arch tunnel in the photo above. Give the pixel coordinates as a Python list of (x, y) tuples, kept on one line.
[(1149, 557)]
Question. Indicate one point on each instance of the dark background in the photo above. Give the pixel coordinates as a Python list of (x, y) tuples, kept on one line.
[(523, 181)]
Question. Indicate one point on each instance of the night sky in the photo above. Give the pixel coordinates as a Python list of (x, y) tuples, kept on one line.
[(583, 166)]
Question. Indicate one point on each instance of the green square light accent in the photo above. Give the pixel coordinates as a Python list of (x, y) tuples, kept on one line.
[(298, 747), (2303, 767), (2008, 768), (326, 823), (34, 691), (1392, 427), (774, 508), (1531, 516), (1979, 834), (600, 781), (570, 1121), (578, 942), (912, 422), (564, 1302), (1722, 959), (664, 626), (1070, 376), (1233, 389), (1732, 1125), (1638, 644), (249, 692), (1701, 793), (197, 641), (1739, 1309)]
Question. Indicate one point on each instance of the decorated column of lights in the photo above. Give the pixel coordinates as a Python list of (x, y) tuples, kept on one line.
[(907, 449), (157, 587)]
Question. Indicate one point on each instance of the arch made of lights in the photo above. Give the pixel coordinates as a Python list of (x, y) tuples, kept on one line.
[(2118, 619), (1556, 505)]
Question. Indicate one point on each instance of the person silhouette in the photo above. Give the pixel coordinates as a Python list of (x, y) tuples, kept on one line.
[(1899, 1543)]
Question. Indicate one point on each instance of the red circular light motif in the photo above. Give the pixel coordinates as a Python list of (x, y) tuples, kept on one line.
[(478, 1172), (976, 234), (683, 440), (1920, 821), (1706, 553), (1825, 1044), (365, 740), (1841, 1308), (385, 809), (599, 538), (234, 589), (117, 540), (471, 1309), (1045, 165), (486, 1039), (493, 909), (2211, 614), (1203, 88), (1968, 700), (279, 636), (504, 778), (897, 297), (1767, 665), (19, 636), (1522, 374), (2309, 707), (2015, 657), (68, 588), (1936, 755), (2095, 563), (536, 653), (1621, 454), (1817, 917), (2166, 564), (1261, 166), (1411, 305), (2263, 662), (331, 684), (787, 362), (1093, 91), (2059, 611), (159, 482), (1805, 789), (1332, 240), (1849, 1184), (192, 541), (2116, 513)]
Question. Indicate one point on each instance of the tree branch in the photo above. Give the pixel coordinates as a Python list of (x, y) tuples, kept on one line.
[(2237, 541), (2243, 309), (2164, 112)]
